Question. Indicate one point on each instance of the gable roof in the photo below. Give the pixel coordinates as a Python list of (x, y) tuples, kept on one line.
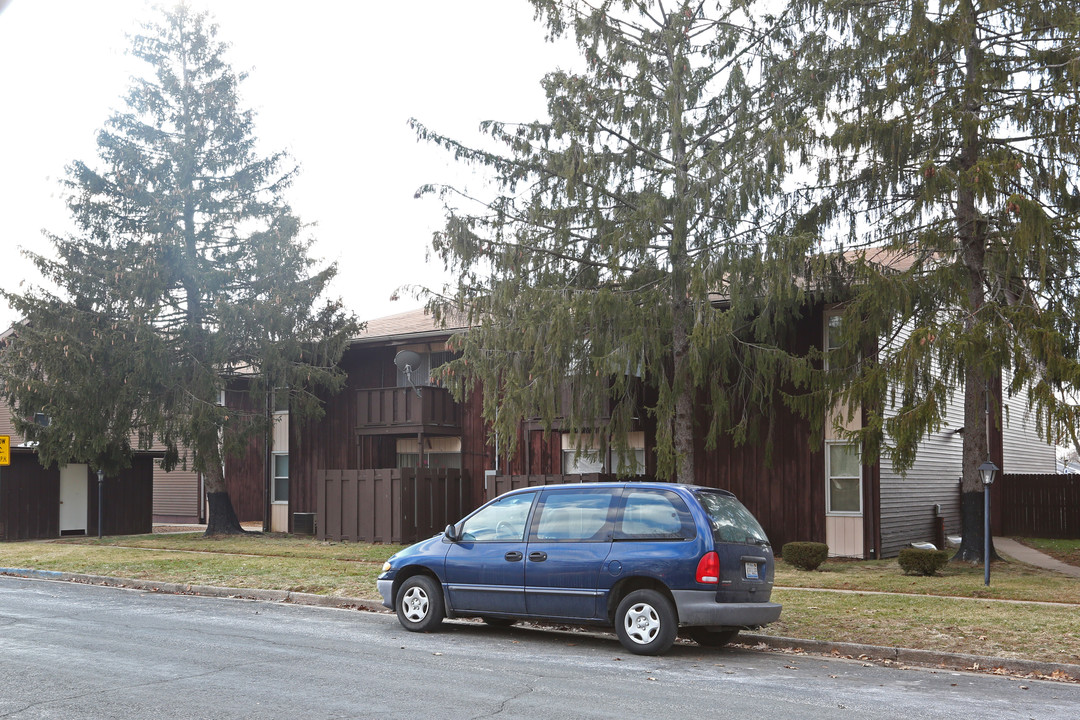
[(411, 325)]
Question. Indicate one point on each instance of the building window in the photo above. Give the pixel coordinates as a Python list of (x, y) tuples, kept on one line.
[(280, 486), (439, 452), (589, 459), (832, 335), (844, 471)]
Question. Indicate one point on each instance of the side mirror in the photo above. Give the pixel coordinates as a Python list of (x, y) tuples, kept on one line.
[(450, 533)]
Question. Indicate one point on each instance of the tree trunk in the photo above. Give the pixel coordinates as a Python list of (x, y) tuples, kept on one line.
[(682, 318), (971, 231), (976, 451), (221, 517), (683, 429)]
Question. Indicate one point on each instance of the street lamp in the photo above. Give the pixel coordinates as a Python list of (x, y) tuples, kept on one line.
[(100, 485), (987, 470)]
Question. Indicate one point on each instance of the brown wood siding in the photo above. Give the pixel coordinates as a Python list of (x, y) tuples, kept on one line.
[(784, 488), (128, 500), (331, 442), (477, 455), (246, 472), (786, 492), (29, 499)]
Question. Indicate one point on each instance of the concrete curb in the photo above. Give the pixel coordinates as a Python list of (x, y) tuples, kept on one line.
[(280, 596), (910, 656), (890, 655)]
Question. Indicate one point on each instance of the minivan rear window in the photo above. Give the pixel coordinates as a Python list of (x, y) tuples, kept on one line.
[(654, 515), (730, 520)]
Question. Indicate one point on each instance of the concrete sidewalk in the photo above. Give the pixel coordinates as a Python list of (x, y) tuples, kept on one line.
[(1017, 551)]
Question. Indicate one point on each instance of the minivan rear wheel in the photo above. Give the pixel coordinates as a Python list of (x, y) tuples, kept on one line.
[(645, 623), (420, 604)]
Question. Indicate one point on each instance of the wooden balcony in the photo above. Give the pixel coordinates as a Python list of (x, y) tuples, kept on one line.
[(399, 411)]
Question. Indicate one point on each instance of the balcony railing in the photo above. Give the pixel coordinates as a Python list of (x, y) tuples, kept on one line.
[(394, 411)]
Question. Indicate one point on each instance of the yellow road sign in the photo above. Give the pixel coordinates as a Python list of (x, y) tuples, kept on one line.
[(5, 449)]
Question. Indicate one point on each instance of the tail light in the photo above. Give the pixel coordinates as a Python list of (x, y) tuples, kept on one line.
[(708, 568)]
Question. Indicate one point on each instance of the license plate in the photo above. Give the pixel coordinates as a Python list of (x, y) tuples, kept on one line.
[(751, 570)]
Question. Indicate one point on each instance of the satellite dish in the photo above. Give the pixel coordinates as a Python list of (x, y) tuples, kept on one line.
[(407, 361)]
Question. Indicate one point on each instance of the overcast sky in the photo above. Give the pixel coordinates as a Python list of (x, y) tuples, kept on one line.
[(332, 82)]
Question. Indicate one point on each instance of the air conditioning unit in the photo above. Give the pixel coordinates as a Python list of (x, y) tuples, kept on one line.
[(303, 523)]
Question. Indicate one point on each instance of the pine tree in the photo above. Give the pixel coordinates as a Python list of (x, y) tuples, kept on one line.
[(950, 150), (621, 223), (187, 274)]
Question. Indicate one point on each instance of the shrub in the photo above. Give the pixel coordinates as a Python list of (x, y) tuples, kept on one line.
[(804, 555), (914, 561)]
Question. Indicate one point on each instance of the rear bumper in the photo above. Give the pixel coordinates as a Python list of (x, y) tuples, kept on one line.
[(699, 607)]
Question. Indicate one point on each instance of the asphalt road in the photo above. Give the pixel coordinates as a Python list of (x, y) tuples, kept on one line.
[(76, 651)]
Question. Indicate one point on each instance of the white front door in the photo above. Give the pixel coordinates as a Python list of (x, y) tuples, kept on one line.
[(73, 500)]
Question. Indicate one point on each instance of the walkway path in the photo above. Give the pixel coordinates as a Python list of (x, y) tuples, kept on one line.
[(1023, 553)]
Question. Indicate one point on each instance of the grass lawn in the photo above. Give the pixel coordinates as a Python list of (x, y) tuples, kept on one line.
[(953, 611), (1008, 580)]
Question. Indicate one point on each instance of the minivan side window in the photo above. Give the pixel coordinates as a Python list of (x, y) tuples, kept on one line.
[(575, 516), (654, 515), (501, 521)]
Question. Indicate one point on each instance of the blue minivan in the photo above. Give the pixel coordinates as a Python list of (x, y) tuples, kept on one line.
[(652, 559)]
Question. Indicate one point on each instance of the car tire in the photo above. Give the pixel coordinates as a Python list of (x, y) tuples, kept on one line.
[(645, 623), (711, 638), (419, 604)]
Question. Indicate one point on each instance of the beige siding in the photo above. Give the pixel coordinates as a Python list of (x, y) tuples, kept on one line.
[(907, 501), (845, 536), (6, 426), (176, 493), (279, 517), (1024, 452)]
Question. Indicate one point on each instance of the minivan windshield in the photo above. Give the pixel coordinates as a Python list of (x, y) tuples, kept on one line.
[(731, 522)]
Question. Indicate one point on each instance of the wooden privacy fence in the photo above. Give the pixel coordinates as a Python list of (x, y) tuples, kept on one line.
[(505, 483), (389, 505), (1040, 505)]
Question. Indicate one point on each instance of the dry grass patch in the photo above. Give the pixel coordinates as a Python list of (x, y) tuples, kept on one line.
[(979, 627), (281, 563), (1008, 580)]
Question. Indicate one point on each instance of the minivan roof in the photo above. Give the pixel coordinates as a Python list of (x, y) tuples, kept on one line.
[(657, 484)]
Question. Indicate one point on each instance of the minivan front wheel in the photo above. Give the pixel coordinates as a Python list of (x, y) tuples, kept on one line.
[(645, 623), (420, 604)]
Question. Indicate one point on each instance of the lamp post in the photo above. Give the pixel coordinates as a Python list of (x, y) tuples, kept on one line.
[(100, 485), (987, 470)]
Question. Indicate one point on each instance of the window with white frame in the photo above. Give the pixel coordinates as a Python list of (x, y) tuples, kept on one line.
[(844, 471), (279, 488), (439, 452), (832, 335), (589, 460)]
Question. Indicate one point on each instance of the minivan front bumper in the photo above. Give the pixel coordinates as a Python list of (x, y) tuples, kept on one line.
[(699, 608), (386, 589)]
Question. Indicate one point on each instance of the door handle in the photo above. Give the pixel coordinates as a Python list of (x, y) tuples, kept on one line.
[(538, 556), (513, 555)]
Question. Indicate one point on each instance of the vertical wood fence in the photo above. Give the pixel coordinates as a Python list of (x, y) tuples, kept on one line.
[(1045, 506), (389, 505)]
